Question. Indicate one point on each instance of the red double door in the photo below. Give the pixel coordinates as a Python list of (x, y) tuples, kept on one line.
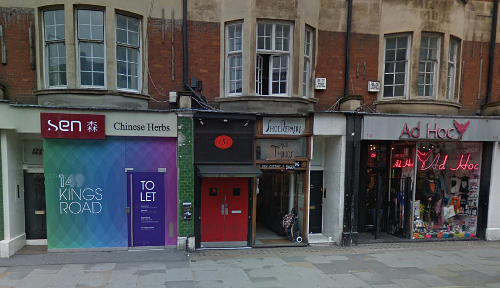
[(224, 212)]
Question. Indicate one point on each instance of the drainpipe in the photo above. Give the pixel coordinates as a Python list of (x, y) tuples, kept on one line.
[(493, 40), (348, 48), (201, 101)]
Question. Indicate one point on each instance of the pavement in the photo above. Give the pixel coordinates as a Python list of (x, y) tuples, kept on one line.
[(416, 264)]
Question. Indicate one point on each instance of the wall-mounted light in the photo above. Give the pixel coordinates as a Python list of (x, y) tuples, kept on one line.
[(225, 120), (246, 124), (201, 122)]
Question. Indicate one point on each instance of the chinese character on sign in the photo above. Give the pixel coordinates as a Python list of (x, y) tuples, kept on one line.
[(92, 126)]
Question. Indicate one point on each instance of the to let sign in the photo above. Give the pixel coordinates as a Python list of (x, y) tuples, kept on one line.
[(74, 126)]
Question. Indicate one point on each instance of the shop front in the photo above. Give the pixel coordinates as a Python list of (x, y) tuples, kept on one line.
[(425, 177), (225, 177), (110, 180), (282, 153)]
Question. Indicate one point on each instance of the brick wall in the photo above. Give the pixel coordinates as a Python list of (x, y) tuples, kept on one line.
[(331, 65), (203, 61), (186, 172), (472, 56), (17, 76)]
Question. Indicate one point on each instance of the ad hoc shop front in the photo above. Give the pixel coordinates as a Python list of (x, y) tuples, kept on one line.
[(425, 177)]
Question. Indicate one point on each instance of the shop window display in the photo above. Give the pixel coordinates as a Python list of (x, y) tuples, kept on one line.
[(447, 190)]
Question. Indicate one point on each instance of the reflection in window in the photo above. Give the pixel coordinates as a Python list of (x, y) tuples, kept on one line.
[(55, 47), (91, 47), (127, 52)]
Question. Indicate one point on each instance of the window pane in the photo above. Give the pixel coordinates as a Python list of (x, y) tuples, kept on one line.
[(269, 30), (388, 79), (86, 78), (98, 79), (60, 32), (390, 55), (97, 50), (260, 43), (401, 54), (121, 53), (389, 67), (98, 65), (390, 43), (267, 43), (420, 90), (260, 29), (399, 91), (282, 87), (132, 69), (275, 88), (97, 18), (84, 31), (121, 22), (402, 42), (121, 81), (97, 32), (62, 76), (133, 24), (400, 67), (279, 44), (121, 36), (50, 33), (134, 83), (428, 90), (388, 91), (133, 55), (121, 67), (400, 79), (286, 45), (84, 17), (133, 38), (85, 64)]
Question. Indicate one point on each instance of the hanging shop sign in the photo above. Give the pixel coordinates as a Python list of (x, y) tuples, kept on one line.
[(73, 126), (424, 128), (283, 126)]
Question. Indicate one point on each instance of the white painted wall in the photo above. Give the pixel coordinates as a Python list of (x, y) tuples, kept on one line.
[(334, 174), (12, 169), (329, 124), (493, 226)]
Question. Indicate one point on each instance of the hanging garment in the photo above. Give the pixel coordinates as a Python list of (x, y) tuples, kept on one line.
[(464, 184), (454, 184)]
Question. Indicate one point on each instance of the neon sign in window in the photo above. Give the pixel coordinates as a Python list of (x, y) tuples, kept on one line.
[(423, 158)]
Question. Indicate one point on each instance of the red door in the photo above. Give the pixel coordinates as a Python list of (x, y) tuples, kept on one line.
[(224, 212)]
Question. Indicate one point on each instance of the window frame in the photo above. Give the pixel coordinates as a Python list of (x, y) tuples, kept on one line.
[(436, 63), (46, 55), (228, 54), (77, 44), (128, 46), (275, 53), (306, 73), (451, 79), (407, 66)]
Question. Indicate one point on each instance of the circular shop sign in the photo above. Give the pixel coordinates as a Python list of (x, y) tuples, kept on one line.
[(223, 142)]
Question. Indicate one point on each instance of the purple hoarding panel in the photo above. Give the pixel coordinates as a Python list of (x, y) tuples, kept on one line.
[(148, 208)]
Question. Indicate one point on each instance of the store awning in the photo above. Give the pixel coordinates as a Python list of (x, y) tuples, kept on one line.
[(228, 171)]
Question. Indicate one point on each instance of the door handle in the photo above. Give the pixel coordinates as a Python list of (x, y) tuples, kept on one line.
[(222, 209), (227, 208)]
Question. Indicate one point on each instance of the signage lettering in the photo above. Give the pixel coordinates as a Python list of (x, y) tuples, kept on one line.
[(401, 164), (284, 126), (75, 126), (223, 142), (435, 132), (120, 126), (148, 196), (434, 164), (74, 199)]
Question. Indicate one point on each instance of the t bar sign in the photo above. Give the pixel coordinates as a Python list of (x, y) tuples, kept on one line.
[(74, 126)]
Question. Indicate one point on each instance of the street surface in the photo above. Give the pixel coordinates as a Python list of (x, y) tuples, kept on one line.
[(425, 264)]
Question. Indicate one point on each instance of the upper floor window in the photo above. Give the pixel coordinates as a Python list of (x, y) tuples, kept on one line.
[(127, 52), (234, 58), (55, 48), (306, 77), (452, 69), (428, 65), (90, 33), (396, 65), (272, 71)]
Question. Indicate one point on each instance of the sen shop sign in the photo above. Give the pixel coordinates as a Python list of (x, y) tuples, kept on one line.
[(74, 126)]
